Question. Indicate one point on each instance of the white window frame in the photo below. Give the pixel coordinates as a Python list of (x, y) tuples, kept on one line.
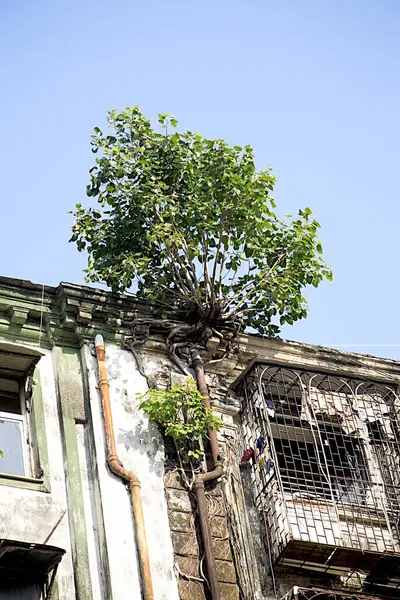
[(22, 419)]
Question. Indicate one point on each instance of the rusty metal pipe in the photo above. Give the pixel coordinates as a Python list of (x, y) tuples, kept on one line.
[(118, 469), (198, 485)]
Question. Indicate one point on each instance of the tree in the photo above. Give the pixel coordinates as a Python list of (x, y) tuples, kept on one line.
[(180, 414), (191, 222)]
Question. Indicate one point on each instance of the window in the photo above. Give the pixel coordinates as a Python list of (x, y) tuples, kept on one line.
[(334, 469), (330, 437), (13, 429), (21, 422), (318, 451), (326, 466)]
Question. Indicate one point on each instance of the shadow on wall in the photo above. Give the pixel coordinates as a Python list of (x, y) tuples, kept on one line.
[(146, 440)]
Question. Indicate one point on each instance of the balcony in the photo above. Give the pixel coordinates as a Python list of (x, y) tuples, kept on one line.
[(326, 468)]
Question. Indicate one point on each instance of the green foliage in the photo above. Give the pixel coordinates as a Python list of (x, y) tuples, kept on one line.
[(191, 222), (179, 412)]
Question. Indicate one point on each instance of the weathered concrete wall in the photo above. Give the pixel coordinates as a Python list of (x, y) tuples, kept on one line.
[(141, 450), (96, 527), (28, 515)]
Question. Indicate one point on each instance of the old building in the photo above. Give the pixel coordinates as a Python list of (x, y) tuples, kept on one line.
[(308, 503)]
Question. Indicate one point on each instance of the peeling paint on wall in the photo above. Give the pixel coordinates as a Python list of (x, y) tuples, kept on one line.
[(141, 450)]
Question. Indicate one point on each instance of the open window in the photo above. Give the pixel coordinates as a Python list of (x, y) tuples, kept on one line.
[(330, 465), (13, 428), (18, 435)]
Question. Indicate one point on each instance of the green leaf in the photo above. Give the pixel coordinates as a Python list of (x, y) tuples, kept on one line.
[(179, 412)]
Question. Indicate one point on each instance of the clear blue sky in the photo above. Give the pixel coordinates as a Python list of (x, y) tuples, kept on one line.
[(313, 86)]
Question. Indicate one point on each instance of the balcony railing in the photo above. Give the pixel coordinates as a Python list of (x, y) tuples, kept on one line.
[(326, 466)]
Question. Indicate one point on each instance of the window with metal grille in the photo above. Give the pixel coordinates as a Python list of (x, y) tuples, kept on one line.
[(324, 440), (302, 470)]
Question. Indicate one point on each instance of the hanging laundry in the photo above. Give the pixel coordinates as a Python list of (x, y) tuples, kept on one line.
[(332, 404), (372, 409), (367, 413), (260, 444), (341, 407), (261, 462), (396, 406), (248, 455), (270, 407), (376, 498), (352, 425), (258, 400), (309, 405), (264, 403), (268, 465)]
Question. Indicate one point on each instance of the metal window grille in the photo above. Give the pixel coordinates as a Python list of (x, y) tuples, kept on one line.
[(326, 472)]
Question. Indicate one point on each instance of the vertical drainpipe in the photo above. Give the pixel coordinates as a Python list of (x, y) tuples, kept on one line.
[(117, 468), (198, 485)]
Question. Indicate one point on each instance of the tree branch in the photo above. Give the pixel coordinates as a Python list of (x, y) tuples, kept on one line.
[(189, 288), (253, 290), (214, 272), (207, 282), (174, 292), (220, 278), (234, 274), (192, 281)]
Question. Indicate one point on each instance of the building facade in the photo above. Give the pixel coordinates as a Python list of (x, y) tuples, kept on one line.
[(308, 504)]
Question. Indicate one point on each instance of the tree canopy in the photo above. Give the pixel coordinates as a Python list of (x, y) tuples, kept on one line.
[(191, 222)]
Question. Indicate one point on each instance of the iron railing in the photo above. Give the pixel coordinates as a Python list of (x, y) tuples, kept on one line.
[(326, 467)]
